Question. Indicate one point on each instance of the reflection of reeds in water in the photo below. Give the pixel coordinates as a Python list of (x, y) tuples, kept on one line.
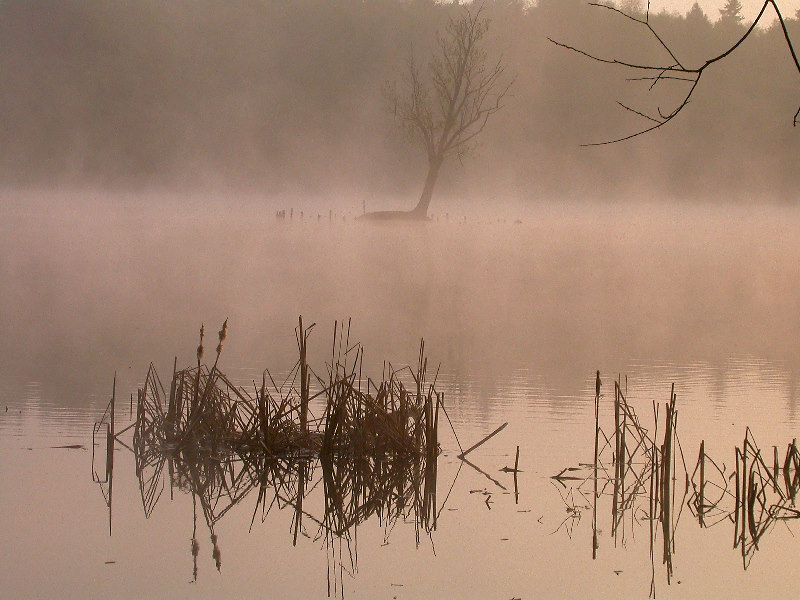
[(754, 497), (106, 483), (763, 497), (373, 450), (392, 487)]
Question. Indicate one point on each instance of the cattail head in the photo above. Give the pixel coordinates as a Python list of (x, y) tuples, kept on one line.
[(215, 553), (200, 347), (222, 334)]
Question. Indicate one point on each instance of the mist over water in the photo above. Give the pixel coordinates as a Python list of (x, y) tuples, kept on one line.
[(167, 166), (96, 286), (285, 98)]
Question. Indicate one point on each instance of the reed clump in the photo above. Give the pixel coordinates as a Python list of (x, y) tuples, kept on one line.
[(205, 411), (645, 476), (372, 450)]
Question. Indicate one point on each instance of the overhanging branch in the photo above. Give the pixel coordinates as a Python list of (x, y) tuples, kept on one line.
[(676, 71)]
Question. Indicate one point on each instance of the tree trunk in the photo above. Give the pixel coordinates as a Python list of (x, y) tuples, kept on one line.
[(421, 209)]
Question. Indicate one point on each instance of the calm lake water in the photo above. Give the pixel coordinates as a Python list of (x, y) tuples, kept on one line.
[(519, 310)]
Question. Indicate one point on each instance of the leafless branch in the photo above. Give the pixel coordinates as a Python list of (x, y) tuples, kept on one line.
[(660, 78), (465, 92), (641, 114), (676, 71)]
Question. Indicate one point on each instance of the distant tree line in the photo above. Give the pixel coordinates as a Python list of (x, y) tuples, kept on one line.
[(285, 97)]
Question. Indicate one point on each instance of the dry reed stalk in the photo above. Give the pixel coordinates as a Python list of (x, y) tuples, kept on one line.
[(701, 507), (483, 441)]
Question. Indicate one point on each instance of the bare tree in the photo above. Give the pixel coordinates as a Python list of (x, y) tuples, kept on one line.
[(674, 70), (444, 108)]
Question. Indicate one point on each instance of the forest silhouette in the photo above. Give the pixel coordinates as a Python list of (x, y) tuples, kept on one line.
[(284, 98)]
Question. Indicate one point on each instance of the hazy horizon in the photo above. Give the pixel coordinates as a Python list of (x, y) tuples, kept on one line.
[(750, 8), (286, 101)]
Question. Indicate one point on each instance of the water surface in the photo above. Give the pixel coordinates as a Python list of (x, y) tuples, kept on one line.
[(519, 315)]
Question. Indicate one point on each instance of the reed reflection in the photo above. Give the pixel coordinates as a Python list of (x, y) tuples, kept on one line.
[(371, 453), (106, 423), (649, 481)]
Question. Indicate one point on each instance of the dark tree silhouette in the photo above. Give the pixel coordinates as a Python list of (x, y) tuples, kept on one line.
[(445, 108), (732, 11), (674, 70), (696, 15)]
